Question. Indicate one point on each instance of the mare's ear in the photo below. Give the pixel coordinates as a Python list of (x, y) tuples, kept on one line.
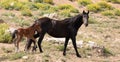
[(88, 12), (84, 12)]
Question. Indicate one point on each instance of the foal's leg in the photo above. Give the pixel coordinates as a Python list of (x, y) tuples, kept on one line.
[(75, 47), (34, 47), (65, 45), (26, 46), (17, 43), (40, 41), (14, 41)]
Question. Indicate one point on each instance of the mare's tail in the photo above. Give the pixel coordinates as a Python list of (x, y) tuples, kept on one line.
[(13, 34)]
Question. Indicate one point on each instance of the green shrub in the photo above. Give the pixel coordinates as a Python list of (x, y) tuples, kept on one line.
[(93, 7), (8, 14), (30, 5), (100, 6), (60, 48), (33, 6), (18, 6), (105, 6), (84, 2), (51, 10), (26, 12), (13, 4), (117, 12), (42, 6), (48, 1), (37, 1), (92, 20), (7, 4), (107, 13), (17, 56), (24, 7), (107, 52), (5, 37), (65, 13), (54, 8), (43, 1), (68, 7), (114, 1), (22, 22), (73, 10), (64, 6)]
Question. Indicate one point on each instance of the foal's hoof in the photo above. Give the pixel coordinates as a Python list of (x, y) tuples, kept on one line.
[(78, 55)]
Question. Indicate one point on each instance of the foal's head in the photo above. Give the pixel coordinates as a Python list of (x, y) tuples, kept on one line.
[(85, 16)]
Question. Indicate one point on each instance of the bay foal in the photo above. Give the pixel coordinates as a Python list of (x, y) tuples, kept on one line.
[(26, 32)]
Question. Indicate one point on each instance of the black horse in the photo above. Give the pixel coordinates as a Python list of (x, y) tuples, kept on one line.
[(67, 28)]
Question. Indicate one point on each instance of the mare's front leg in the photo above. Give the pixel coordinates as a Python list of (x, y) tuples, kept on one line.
[(65, 45), (74, 44)]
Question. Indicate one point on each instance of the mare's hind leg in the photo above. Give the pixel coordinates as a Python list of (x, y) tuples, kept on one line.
[(65, 45), (40, 41), (75, 47)]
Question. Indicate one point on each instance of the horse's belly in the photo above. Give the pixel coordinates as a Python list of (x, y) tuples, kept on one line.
[(58, 34)]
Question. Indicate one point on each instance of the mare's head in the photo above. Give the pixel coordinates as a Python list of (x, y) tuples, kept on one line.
[(85, 16)]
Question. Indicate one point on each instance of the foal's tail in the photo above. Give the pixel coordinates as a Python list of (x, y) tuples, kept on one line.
[(14, 33)]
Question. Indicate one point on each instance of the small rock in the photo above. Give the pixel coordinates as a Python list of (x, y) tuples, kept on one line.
[(91, 44), (88, 56), (25, 57), (80, 43)]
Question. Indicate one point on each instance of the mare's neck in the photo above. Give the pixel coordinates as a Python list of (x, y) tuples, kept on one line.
[(78, 21)]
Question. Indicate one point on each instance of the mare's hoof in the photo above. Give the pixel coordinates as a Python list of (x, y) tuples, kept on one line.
[(64, 54), (41, 51), (78, 55)]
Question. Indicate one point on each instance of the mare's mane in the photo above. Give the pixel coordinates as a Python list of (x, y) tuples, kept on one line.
[(70, 19)]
